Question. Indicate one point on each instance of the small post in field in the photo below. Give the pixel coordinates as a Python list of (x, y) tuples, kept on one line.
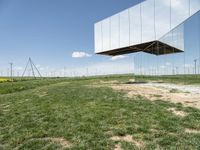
[(11, 71)]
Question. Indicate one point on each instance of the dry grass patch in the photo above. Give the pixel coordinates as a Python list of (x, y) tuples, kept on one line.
[(59, 140), (5, 105), (192, 131), (158, 93), (118, 147), (109, 132), (177, 113), (64, 143), (43, 94), (129, 139)]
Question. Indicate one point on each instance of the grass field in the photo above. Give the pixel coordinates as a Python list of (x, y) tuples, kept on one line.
[(74, 114)]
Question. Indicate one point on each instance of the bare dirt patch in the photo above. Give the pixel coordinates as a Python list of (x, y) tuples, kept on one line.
[(178, 113), (129, 139), (64, 143), (186, 95), (118, 147), (192, 131)]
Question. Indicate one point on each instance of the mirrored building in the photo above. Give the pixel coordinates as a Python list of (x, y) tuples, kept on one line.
[(152, 26)]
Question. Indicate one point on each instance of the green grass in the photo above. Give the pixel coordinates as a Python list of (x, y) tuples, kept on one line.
[(25, 84), (84, 115)]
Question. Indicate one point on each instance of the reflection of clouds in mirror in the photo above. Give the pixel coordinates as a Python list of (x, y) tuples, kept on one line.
[(124, 28), (106, 34), (195, 4), (98, 37), (148, 33), (168, 64), (114, 31), (135, 25), (188, 65), (175, 37), (163, 67)]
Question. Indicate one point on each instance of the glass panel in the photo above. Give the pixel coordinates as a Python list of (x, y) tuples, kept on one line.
[(114, 31), (135, 25), (192, 44), (124, 28), (162, 17), (194, 6), (98, 37), (179, 12), (106, 34), (148, 33), (175, 38)]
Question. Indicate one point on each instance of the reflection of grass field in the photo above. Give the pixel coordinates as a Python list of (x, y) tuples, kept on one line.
[(51, 113), (186, 79)]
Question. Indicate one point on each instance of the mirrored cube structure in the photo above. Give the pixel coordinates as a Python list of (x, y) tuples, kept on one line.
[(152, 26)]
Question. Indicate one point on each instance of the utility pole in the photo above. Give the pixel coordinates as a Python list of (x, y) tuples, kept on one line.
[(195, 66), (64, 73), (11, 71)]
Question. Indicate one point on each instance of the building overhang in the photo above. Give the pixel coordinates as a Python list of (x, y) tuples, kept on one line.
[(153, 47)]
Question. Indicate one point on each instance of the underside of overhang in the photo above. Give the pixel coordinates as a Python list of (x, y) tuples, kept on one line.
[(153, 47)]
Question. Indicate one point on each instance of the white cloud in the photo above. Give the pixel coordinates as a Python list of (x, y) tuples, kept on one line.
[(118, 57), (162, 67), (168, 64), (188, 65), (38, 66), (19, 68), (80, 55)]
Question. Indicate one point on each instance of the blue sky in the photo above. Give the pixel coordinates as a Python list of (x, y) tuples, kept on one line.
[(49, 31)]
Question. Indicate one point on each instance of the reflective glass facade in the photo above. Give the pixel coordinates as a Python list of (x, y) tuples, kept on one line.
[(145, 23)]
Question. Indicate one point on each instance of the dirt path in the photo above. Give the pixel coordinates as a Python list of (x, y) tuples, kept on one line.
[(188, 95)]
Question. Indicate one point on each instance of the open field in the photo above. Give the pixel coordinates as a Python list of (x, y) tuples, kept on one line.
[(95, 113)]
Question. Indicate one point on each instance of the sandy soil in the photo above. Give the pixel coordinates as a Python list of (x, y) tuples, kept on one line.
[(188, 95), (178, 113), (118, 147), (192, 131)]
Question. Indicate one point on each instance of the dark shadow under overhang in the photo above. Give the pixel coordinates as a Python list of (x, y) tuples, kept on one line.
[(154, 47)]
